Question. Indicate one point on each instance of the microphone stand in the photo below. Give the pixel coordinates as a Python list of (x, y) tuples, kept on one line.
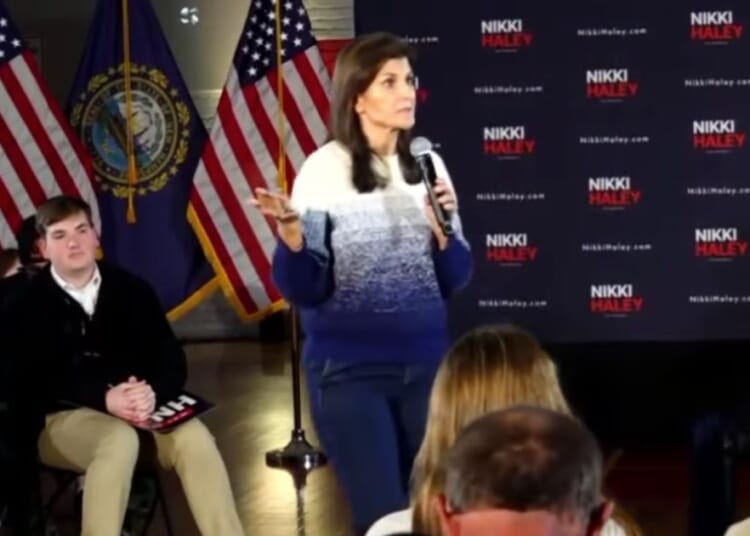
[(298, 457)]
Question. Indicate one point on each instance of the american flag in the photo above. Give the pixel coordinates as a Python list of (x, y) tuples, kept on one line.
[(40, 156), (243, 151)]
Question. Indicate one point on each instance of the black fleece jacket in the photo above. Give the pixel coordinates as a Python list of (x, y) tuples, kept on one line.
[(66, 358)]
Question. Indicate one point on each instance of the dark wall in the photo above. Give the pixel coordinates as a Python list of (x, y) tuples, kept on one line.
[(645, 394), (203, 51)]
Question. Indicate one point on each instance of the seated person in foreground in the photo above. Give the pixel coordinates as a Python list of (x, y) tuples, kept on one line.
[(9, 262), (19, 485), (523, 471), (95, 356), (490, 367), (27, 261)]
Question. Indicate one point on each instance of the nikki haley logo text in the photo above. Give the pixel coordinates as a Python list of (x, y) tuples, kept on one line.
[(613, 192), (610, 84), (717, 135), (714, 27), (505, 34), (617, 299), (719, 243), (511, 248), (508, 141)]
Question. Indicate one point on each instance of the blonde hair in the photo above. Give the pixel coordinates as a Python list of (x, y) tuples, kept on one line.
[(489, 368)]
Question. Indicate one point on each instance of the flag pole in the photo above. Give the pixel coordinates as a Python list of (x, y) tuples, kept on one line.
[(129, 149), (298, 457)]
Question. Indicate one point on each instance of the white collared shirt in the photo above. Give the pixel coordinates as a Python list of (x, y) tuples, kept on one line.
[(86, 295)]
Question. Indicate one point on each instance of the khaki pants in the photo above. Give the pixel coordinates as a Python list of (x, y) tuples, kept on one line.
[(105, 448), (739, 529)]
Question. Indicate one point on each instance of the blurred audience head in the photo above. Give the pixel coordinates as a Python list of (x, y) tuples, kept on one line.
[(9, 262), (488, 368), (526, 471), (28, 240)]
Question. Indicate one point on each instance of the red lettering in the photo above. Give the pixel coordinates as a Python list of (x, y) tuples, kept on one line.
[(509, 147), (721, 249), (616, 305), (517, 254), (723, 32), (615, 198), (719, 141), (511, 40), (617, 90)]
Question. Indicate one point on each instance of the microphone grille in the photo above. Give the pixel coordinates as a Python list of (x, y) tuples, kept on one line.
[(419, 146)]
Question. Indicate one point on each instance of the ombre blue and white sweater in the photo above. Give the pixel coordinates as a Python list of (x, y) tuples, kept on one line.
[(370, 282)]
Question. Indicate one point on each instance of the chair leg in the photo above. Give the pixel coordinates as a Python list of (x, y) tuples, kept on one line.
[(164, 507), (63, 482), (152, 507)]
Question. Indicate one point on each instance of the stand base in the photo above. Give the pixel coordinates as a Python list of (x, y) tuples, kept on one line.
[(297, 456)]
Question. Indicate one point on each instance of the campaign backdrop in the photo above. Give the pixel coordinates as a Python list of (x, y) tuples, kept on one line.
[(600, 155)]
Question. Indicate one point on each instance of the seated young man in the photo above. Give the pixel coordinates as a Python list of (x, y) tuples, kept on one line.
[(99, 355)]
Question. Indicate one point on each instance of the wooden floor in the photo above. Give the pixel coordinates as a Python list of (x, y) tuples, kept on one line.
[(251, 384), (252, 388)]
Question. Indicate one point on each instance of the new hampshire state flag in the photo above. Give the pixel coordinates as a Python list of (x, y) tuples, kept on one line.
[(144, 169)]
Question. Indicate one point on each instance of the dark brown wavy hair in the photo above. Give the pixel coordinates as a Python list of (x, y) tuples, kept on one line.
[(356, 67)]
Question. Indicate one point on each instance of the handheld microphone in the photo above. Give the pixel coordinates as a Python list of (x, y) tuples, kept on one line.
[(420, 149)]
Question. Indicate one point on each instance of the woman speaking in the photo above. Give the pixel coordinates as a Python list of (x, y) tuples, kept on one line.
[(363, 256)]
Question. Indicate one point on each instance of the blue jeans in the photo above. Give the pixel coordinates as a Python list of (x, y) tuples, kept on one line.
[(370, 418)]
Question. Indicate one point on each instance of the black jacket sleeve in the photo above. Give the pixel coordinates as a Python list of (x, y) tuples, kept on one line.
[(83, 386), (79, 377)]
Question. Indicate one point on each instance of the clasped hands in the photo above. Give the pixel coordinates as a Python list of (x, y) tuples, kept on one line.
[(133, 401)]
